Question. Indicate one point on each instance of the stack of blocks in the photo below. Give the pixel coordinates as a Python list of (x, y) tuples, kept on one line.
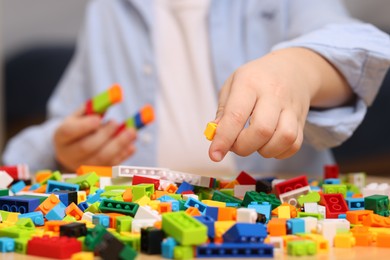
[(182, 216)]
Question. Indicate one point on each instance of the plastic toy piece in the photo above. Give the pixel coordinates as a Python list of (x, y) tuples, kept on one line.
[(75, 229), (374, 220), (252, 196), (245, 233), (331, 171), (36, 217), (48, 204), (344, 240), (84, 181), (5, 180), (21, 204), (210, 130), (312, 196), (151, 239), (357, 216), (101, 102), (236, 250), (16, 172), (139, 179), (57, 212), (102, 171), (301, 248), (362, 236), (7, 244), (377, 203), (330, 227), (245, 179), (54, 247), (167, 248), (355, 203), (334, 188), (127, 208), (197, 204), (83, 256), (74, 211), (144, 117), (291, 184), (184, 228), (383, 240), (219, 196), (334, 204), (109, 247), (57, 186), (277, 227), (295, 225), (18, 186)]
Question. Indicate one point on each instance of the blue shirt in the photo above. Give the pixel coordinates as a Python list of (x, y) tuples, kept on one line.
[(116, 46)]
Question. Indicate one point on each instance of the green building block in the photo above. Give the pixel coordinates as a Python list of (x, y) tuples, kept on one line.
[(127, 253), (118, 187), (334, 189), (141, 190), (307, 214), (175, 196), (127, 208), (132, 241), (312, 196), (69, 218), (112, 193), (301, 247), (25, 223), (184, 228), (219, 196), (84, 181), (94, 208), (260, 197), (21, 245), (4, 215), (82, 240), (183, 252), (123, 223), (181, 205), (4, 192), (378, 203), (16, 232)]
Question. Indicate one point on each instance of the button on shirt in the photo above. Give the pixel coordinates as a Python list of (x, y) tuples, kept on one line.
[(117, 42)]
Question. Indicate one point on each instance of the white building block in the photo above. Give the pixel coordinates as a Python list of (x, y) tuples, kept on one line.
[(329, 228), (310, 224), (291, 197), (246, 215), (137, 224), (146, 212), (240, 190), (5, 180)]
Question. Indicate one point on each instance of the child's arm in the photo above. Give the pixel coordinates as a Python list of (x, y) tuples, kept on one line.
[(276, 92)]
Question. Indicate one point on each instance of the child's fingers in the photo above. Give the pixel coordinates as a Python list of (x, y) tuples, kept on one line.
[(294, 148), (285, 135), (235, 114), (74, 128), (261, 129), (223, 97)]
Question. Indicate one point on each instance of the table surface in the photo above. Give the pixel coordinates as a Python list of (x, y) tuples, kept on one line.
[(356, 253)]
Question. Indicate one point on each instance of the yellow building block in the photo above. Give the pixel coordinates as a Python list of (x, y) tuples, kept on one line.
[(284, 212), (213, 203), (143, 201), (221, 227), (154, 204), (81, 196), (344, 240), (12, 217), (83, 256), (322, 243), (210, 130)]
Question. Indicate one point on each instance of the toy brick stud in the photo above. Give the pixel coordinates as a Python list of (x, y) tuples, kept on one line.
[(101, 102), (209, 132)]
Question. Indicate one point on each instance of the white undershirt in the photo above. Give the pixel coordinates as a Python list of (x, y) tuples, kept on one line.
[(187, 96)]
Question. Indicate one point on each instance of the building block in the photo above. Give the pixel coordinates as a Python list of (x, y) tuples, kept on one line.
[(277, 227), (234, 250), (263, 186), (197, 204), (331, 171), (139, 179), (56, 213), (127, 208), (374, 220), (358, 179), (54, 247), (376, 189), (75, 229), (16, 172), (56, 186), (301, 248), (84, 181), (102, 101), (5, 179), (73, 210), (252, 196), (209, 222), (210, 130), (383, 240), (245, 233), (332, 181), (357, 216), (67, 197), (151, 239), (344, 240), (377, 203), (362, 236), (185, 186), (15, 188), (167, 248), (102, 171), (83, 256), (101, 219), (264, 208), (21, 204), (291, 184), (185, 229), (291, 197), (334, 189), (330, 227), (21, 245), (109, 247), (334, 204), (246, 215), (123, 224), (355, 203), (295, 225), (245, 179), (219, 196), (142, 118), (36, 217), (7, 244), (312, 196)]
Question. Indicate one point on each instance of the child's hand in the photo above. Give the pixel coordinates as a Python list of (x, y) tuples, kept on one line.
[(82, 139), (274, 93)]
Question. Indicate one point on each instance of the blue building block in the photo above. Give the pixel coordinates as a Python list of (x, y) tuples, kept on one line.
[(332, 181), (355, 203), (36, 217), (95, 197), (263, 208), (83, 206), (185, 186), (191, 202), (166, 198), (234, 250), (67, 197), (101, 219), (315, 188), (212, 212), (343, 216), (57, 185), (21, 204), (7, 244), (56, 213), (167, 247), (245, 233), (34, 186), (210, 223), (295, 225), (18, 186)]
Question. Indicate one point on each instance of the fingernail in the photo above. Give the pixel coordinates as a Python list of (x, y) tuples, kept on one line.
[(217, 155)]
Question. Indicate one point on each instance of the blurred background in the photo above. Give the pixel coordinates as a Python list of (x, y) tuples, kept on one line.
[(37, 40)]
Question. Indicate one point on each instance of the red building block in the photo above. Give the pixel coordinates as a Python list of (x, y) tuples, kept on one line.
[(245, 179), (53, 247), (291, 184), (331, 171), (143, 180), (334, 204)]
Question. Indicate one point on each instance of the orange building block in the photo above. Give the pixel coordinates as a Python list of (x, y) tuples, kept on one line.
[(48, 204), (160, 193), (42, 175), (103, 171), (172, 188), (113, 216), (357, 216), (231, 184), (74, 211), (54, 225), (383, 240), (128, 195), (293, 210), (277, 227), (362, 235), (164, 207), (374, 220), (227, 214), (192, 211), (41, 189)]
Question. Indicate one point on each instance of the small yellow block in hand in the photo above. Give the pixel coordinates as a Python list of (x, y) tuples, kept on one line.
[(210, 130)]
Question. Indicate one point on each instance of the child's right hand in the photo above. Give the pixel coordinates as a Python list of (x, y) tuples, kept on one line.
[(85, 139)]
